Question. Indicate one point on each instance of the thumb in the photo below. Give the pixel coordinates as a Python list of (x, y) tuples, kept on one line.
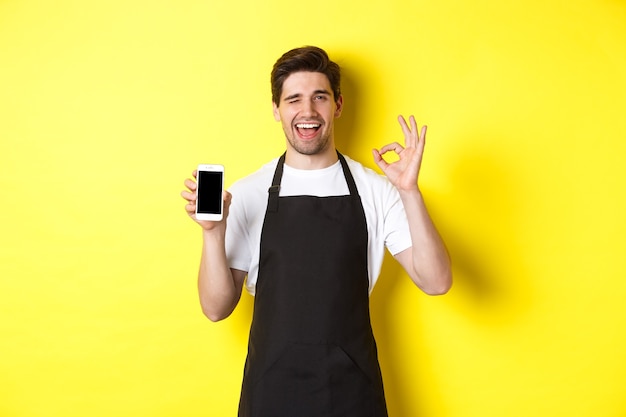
[(227, 197), (378, 159)]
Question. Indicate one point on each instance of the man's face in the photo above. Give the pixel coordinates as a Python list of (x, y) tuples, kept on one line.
[(307, 110)]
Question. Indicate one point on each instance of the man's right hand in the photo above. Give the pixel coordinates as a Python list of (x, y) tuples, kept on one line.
[(190, 195)]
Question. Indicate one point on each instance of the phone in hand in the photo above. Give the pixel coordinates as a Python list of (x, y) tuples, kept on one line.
[(209, 201)]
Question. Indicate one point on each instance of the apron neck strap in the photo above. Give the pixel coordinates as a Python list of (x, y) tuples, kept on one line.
[(274, 190)]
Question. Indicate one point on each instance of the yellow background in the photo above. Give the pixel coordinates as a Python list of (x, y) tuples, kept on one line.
[(106, 106)]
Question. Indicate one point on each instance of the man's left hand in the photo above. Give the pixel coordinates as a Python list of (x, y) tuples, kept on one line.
[(403, 173)]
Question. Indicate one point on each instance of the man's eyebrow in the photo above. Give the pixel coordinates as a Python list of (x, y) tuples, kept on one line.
[(293, 96)]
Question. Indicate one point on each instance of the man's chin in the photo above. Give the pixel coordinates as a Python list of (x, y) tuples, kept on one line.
[(309, 147)]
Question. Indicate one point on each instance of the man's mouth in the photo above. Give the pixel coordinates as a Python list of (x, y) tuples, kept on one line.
[(308, 129)]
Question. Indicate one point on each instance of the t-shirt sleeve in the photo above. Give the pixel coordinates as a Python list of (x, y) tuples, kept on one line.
[(237, 236), (396, 225)]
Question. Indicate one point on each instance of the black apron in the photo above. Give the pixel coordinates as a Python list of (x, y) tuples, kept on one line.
[(311, 351)]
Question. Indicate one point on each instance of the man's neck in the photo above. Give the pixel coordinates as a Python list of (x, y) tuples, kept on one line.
[(317, 161)]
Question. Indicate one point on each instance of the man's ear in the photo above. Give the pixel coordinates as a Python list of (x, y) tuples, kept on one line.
[(276, 112), (339, 104)]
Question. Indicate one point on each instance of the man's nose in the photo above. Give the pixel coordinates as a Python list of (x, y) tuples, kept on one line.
[(308, 108)]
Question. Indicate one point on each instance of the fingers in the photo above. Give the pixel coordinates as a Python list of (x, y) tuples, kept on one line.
[(378, 159), (405, 128), (395, 147), (378, 154), (408, 131), (412, 135), (190, 194), (413, 123), (191, 184), (190, 209), (422, 139)]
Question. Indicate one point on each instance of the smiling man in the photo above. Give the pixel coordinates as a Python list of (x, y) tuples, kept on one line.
[(306, 235), (307, 110)]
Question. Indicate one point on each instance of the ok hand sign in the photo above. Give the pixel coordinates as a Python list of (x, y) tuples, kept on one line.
[(403, 173)]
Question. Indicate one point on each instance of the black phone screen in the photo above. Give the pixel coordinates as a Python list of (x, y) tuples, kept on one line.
[(210, 192)]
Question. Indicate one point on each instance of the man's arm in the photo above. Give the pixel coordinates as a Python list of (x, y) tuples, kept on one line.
[(219, 287), (427, 262)]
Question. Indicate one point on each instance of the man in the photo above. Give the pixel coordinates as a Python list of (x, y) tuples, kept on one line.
[(308, 230)]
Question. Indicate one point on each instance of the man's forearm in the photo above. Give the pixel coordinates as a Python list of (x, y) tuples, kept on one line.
[(218, 289), (429, 260)]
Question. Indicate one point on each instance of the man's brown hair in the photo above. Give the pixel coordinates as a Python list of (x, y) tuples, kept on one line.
[(306, 58)]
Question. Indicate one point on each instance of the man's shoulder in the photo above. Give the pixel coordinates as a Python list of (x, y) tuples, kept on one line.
[(362, 173), (374, 188), (259, 179)]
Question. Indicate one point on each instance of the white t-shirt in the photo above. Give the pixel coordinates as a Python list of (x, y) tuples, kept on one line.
[(387, 225)]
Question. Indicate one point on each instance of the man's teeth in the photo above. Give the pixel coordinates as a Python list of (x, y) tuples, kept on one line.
[(307, 125)]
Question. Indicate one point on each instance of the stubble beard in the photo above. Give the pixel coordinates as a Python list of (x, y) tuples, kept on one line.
[(313, 147)]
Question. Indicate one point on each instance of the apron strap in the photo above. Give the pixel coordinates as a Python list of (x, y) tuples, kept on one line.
[(348, 176), (274, 190)]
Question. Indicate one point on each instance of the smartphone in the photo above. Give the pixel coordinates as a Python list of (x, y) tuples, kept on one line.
[(209, 201)]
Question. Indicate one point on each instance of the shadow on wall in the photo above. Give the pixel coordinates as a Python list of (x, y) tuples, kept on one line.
[(347, 132), (482, 220), (479, 215), (479, 219)]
